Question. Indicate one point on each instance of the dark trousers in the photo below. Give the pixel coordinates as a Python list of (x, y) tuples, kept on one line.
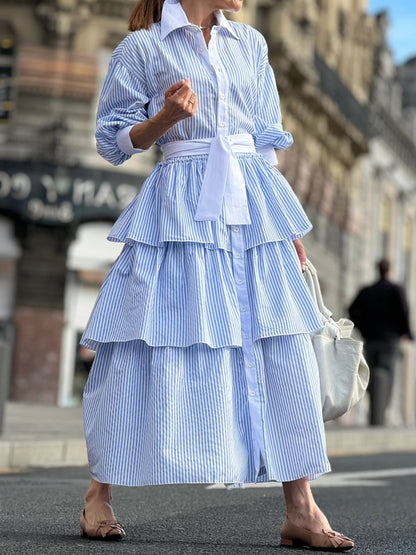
[(381, 356)]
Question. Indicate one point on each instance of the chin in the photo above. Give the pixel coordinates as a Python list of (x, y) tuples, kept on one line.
[(231, 5)]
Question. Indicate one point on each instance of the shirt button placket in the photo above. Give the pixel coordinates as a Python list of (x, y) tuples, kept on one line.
[(253, 393), (222, 82), (237, 246)]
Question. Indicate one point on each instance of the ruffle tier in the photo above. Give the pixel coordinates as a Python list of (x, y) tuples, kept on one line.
[(167, 415), (174, 285), (165, 208), (182, 293)]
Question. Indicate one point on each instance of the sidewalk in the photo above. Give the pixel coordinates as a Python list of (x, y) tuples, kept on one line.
[(37, 435)]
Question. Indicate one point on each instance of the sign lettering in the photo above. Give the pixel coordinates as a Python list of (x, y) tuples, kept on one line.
[(45, 194)]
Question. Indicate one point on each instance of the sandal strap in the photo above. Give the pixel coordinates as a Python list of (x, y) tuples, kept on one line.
[(335, 538), (104, 527)]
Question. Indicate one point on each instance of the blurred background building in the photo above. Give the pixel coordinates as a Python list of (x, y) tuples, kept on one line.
[(353, 165)]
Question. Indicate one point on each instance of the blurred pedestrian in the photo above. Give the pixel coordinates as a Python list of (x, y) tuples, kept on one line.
[(381, 313), (204, 370)]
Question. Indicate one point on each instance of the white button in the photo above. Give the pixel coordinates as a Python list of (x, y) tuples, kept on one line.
[(222, 124), (236, 228), (237, 255), (222, 96), (250, 364), (252, 393), (239, 281), (243, 308), (245, 335)]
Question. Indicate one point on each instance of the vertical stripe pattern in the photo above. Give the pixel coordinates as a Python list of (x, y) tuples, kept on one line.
[(183, 293), (204, 369), (167, 415), (143, 66)]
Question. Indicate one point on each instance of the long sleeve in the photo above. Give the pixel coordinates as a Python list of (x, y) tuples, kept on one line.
[(268, 119), (122, 104)]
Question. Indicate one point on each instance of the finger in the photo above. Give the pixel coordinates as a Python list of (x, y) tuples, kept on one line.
[(194, 107), (176, 86), (184, 89), (302, 259), (301, 252), (182, 94), (189, 97), (189, 102)]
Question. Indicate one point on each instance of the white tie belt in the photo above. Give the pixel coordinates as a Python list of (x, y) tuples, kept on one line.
[(223, 181)]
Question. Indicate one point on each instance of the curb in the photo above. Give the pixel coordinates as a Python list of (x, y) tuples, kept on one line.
[(24, 453), (370, 441), (45, 453)]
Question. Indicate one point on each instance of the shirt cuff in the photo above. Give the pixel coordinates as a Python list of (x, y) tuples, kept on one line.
[(124, 141), (269, 153)]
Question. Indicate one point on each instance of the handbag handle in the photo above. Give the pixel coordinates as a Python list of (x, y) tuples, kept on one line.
[(311, 277)]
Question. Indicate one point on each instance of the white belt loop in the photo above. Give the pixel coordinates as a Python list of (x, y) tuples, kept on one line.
[(223, 180)]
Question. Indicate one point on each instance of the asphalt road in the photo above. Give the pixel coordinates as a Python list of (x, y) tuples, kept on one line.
[(372, 499)]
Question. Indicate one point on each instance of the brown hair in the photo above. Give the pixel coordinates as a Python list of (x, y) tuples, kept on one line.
[(145, 13)]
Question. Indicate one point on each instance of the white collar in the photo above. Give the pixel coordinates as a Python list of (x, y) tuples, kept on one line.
[(174, 17)]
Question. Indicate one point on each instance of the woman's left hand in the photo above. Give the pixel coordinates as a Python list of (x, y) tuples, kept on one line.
[(300, 249)]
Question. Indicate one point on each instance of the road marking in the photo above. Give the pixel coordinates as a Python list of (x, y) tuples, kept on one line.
[(360, 478)]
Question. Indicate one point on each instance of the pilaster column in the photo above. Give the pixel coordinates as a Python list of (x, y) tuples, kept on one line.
[(39, 315)]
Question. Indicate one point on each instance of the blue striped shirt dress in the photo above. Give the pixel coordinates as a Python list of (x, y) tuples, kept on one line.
[(204, 369)]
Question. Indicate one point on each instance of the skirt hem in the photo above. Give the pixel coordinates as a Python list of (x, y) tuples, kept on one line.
[(93, 344), (134, 483)]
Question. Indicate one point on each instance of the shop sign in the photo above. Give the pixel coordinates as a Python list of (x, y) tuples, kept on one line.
[(61, 195)]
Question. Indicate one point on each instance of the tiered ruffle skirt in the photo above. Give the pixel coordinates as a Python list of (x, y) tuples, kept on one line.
[(204, 369)]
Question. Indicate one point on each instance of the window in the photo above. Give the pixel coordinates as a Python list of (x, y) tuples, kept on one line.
[(7, 61), (342, 23)]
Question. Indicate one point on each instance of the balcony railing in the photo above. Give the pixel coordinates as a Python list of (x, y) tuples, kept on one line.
[(350, 107)]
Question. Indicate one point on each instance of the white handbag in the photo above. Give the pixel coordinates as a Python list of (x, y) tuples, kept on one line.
[(343, 370)]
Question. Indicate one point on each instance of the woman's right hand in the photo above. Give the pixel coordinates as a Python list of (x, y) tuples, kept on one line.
[(181, 101)]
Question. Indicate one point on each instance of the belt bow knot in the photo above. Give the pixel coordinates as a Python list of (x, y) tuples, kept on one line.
[(223, 181)]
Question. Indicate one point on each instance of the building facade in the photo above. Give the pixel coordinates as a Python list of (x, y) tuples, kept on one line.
[(390, 198), (54, 56), (352, 113)]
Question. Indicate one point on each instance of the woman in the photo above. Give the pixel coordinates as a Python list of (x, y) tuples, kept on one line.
[(204, 370)]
